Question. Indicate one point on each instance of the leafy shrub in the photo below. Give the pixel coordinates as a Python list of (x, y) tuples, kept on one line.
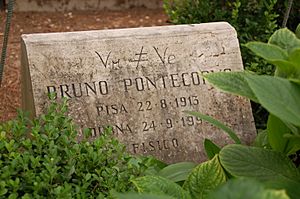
[(244, 172), (254, 20), (188, 12), (43, 159), (280, 95), (238, 172)]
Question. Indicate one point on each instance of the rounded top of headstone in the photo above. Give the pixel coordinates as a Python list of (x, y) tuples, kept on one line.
[(127, 32)]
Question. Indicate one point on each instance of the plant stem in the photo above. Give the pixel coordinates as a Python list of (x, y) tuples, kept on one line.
[(287, 13)]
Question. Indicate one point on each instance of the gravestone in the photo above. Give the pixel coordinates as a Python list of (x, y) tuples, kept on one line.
[(139, 81)]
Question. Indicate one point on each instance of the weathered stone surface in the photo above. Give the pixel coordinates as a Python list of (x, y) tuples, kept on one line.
[(140, 81)]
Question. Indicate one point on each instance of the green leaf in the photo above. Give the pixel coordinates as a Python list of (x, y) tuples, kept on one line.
[(262, 164), (275, 194), (281, 137), (289, 68), (296, 81), (177, 172), (3, 191), (153, 165), (13, 196), (294, 57), (298, 31), (205, 178), (218, 124), (287, 65), (211, 148), (279, 96), (294, 129), (87, 177), (159, 185), (286, 69), (291, 187), (261, 139), (269, 52), (27, 196), (285, 39), (244, 188), (276, 130), (141, 196), (233, 82)]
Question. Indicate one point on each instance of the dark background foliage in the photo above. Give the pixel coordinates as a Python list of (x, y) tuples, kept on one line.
[(254, 20)]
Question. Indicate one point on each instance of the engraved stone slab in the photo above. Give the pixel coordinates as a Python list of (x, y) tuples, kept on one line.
[(139, 81)]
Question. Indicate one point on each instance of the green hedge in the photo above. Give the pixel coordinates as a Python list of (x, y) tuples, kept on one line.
[(43, 159)]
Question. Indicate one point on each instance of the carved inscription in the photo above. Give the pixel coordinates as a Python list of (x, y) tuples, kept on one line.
[(140, 82)]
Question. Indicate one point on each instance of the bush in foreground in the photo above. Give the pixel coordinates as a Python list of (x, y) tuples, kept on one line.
[(43, 159)]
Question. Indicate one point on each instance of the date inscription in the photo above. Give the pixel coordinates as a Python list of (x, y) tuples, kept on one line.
[(159, 117)]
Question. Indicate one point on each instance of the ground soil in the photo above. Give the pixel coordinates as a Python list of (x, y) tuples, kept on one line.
[(29, 22)]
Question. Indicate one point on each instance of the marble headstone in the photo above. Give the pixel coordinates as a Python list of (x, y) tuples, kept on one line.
[(140, 81)]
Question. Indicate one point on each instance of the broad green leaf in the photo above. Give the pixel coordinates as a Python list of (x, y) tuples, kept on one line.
[(177, 172), (276, 130), (279, 96), (298, 31), (290, 68), (27, 196), (283, 137), (159, 185), (291, 187), (275, 194), (243, 188), (296, 81), (233, 82), (13, 196), (211, 148), (261, 140), (285, 39), (218, 124), (275, 52), (259, 163), (293, 143), (141, 196), (269, 52), (295, 130), (286, 69), (3, 191), (294, 57), (154, 166), (238, 189), (205, 178)]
